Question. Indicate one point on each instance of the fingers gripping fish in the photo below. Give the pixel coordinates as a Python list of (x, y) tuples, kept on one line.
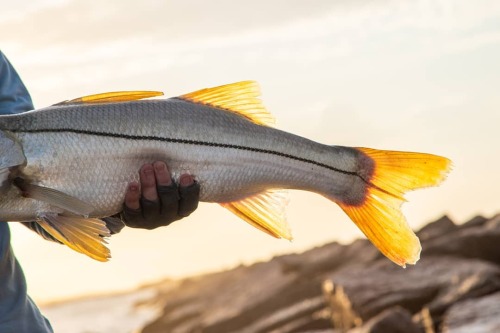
[(69, 164)]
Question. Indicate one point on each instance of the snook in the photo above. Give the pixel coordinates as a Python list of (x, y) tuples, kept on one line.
[(67, 165)]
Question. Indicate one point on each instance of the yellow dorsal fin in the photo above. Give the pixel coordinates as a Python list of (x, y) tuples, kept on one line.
[(113, 97), (241, 98), (84, 235), (265, 211)]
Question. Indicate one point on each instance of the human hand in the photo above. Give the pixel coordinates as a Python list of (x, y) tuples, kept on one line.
[(158, 201)]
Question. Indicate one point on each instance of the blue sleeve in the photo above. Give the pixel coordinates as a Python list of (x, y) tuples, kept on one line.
[(18, 313), (14, 97)]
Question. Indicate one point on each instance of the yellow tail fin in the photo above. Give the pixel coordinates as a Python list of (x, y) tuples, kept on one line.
[(379, 215)]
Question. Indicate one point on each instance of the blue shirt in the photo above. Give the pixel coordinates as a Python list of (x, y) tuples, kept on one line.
[(18, 313)]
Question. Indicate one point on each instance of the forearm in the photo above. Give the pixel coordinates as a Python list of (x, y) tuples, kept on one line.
[(14, 97), (18, 313)]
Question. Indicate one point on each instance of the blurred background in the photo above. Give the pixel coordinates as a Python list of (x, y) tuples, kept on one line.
[(402, 75)]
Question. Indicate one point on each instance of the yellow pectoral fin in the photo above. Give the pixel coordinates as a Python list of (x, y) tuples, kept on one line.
[(113, 97), (54, 197), (241, 98), (84, 235), (265, 211)]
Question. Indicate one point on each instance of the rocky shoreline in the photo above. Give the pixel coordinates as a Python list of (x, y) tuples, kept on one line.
[(454, 288)]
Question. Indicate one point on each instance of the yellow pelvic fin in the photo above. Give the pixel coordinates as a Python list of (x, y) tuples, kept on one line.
[(113, 97), (241, 98), (379, 216), (84, 235), (265, 211)]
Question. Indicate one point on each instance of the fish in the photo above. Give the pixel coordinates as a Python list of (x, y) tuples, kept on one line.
[(68, 165)]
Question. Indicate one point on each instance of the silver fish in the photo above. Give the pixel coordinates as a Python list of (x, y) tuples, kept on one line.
[(67, 165)]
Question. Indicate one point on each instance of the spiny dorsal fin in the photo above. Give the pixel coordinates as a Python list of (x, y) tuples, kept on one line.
[(84, 235), (241, 98), (113, 97), (265, 211)]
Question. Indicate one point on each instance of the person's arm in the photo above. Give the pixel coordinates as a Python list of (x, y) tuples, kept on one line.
[(14, 97), (18, 313)]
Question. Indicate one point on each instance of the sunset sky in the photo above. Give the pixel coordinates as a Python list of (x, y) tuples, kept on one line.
[(402, 75)]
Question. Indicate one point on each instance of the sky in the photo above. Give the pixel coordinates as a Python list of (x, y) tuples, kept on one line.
[(400, 75)]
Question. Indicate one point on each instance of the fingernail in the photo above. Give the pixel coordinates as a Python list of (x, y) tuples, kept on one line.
[(148, 170), (133, 187), (159, 166), (186, 180)]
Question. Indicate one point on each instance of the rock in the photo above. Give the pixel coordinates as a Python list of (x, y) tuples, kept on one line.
[(303, 316), (328, 258), (245, 293), (476, 221), (471, 242), (357, 294), (479, 315), (438, 228), (493, 222), (335, 288), (393, 320), (262, 297), (329, 330)]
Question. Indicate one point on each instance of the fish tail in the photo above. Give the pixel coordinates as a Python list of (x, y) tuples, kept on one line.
[(378, 215)]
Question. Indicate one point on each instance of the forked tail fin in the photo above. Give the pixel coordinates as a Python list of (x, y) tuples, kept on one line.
[(379, 215)]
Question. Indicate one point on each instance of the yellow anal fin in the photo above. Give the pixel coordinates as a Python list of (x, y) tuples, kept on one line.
[(379, 216), (113, 97), (84, 235), (241, 98), (265, 211)]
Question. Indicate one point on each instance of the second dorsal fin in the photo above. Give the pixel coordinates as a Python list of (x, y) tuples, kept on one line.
[(241, 98), (113, 97)]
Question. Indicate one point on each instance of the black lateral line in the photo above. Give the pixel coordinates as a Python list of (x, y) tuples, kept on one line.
[(191, 142)]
